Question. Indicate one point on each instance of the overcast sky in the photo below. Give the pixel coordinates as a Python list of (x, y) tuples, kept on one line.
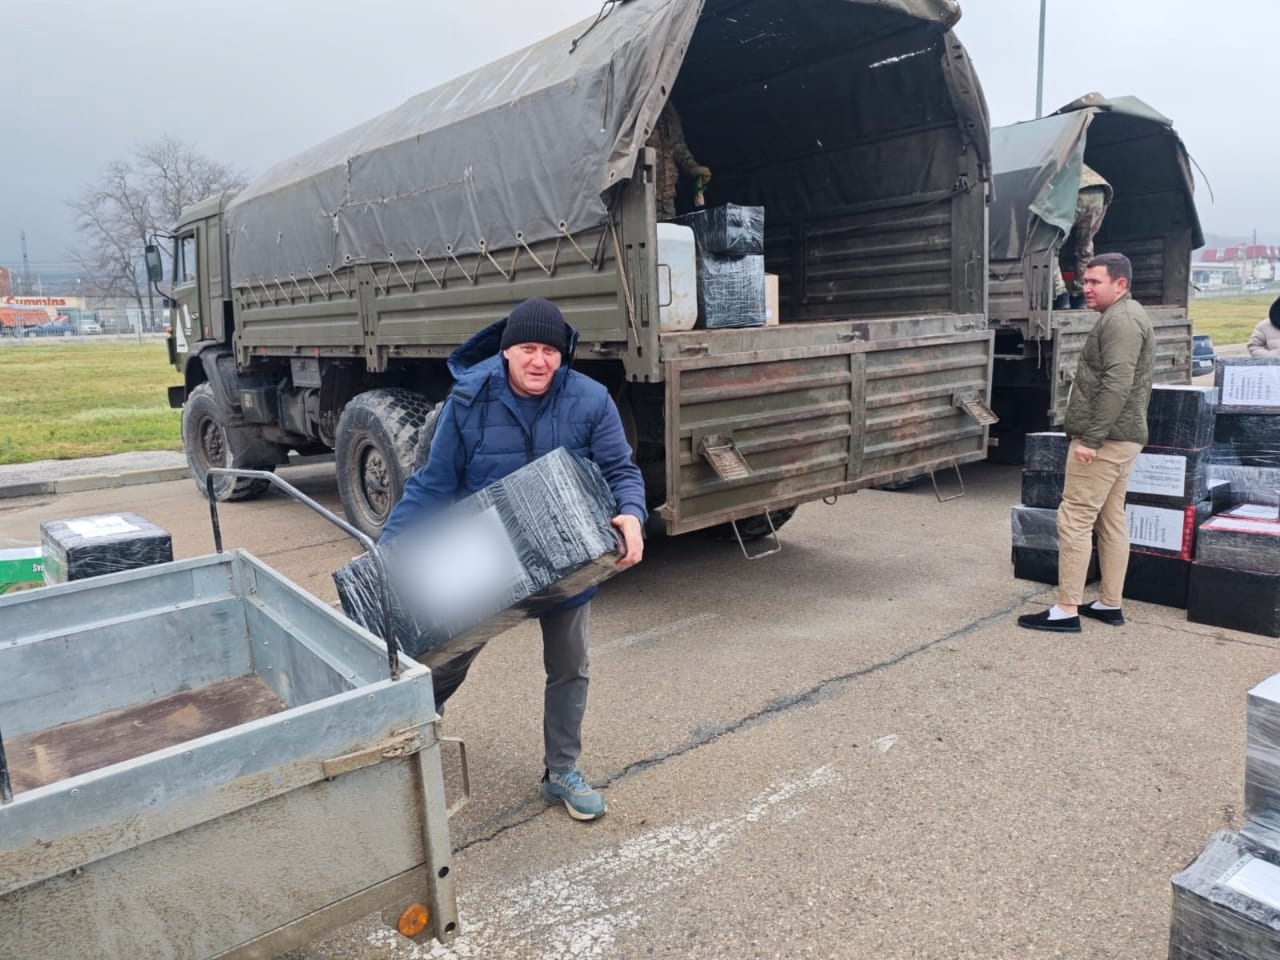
[(251, 82)]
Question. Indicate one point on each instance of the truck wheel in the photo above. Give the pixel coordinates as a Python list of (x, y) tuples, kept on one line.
[(426, 435), (375, 447), (752, 528), (209, 442)]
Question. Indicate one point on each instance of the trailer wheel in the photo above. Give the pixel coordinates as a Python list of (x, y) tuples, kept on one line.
[(426, 435), (752, 528), (209, 442), (375, 447)]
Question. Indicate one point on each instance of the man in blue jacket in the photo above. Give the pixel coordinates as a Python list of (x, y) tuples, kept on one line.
[(515, 399)]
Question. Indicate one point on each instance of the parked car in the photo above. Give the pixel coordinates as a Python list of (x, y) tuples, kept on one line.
[(90, 327), (54, 328), (1202, 355)]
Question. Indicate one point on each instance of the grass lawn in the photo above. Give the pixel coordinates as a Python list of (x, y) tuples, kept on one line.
[(1229, 319), (67, 400)]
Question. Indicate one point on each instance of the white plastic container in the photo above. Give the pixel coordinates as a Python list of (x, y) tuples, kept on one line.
[(677, 278)]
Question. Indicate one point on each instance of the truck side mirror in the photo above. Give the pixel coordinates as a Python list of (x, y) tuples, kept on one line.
[(155, 267)]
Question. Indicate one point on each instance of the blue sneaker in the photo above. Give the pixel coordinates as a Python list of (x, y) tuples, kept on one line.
[(574, 792)]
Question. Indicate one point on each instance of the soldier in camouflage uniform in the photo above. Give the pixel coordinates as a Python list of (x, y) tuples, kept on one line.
[(1092, 201), (674, 157)]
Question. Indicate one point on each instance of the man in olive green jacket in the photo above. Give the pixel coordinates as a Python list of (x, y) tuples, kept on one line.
[(1107, 422)]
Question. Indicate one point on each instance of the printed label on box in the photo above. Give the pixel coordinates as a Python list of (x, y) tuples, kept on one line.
[(91, 527), (1252, 386), (1156, 527), (1257, 880), (1157, 473)]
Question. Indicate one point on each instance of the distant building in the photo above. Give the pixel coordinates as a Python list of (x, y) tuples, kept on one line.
[(6, 283), (52, 306), (1258, 262)]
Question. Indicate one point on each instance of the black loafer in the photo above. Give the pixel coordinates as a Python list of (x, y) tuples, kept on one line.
[(1113, 618), (1041, 621)]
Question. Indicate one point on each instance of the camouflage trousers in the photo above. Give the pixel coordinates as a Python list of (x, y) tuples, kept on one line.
[(1091, 207)]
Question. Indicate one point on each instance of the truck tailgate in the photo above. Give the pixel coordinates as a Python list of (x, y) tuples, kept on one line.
[(800, 412)]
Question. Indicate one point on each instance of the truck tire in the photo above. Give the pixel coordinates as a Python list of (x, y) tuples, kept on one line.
[(751, 528), (210, 442), (426, 435), (375, 447)]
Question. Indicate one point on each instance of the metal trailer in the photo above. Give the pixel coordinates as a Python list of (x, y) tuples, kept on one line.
[(1152, 220), (315, 309), (202, 760)]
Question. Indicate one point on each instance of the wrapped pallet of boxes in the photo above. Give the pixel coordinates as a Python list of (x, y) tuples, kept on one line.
[(1262, 766), (727, 230), (91, 546), (1247, 385), (1167, 496), (1226, 904), (1235, 581), (517, 548)]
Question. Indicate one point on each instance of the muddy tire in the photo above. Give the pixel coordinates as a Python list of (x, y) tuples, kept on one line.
[(752, 528), (426, 435), (210, 442), (375, 447)]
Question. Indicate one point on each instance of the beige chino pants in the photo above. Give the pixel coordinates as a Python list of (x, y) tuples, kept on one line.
[(1093, 501)]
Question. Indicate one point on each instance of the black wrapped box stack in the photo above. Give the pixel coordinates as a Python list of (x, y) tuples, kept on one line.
[(729, 229), (1244, 538), (1226, 904), (1257, 485), (91, 546), (1044, 469), (731, 291), (1247, 439), (1181, 417), (515, 549), (1247, 384), (1035, 545), (1166, 531), (1236, 599), (1168, 476), (1157, 579), (1262, 765)]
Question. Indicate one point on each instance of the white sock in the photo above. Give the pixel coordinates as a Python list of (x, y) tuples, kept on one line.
[(1099, 605), (1057, 613)]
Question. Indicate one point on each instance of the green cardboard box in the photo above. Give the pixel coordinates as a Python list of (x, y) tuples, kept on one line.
[(21, 568)]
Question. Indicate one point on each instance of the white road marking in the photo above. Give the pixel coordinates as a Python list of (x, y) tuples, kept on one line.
[(577, 910)]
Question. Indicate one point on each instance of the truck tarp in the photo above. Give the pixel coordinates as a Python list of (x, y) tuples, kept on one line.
[(1036, 165), (532, 146)]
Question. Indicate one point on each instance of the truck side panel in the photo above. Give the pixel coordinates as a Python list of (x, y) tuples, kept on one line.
[(816, 410)]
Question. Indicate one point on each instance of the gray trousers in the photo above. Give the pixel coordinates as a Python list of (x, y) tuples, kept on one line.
[(567, 662)]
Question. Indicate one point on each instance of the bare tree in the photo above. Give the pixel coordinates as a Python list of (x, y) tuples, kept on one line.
[(133, 199)]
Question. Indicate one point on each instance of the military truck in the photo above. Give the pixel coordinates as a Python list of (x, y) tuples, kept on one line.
[(1152, 220), (315, 309)]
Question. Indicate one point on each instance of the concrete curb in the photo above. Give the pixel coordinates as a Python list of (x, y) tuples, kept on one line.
[(126, 478)]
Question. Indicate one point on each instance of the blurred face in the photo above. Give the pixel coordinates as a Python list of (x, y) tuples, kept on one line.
[(1100, 291), (530, 367)]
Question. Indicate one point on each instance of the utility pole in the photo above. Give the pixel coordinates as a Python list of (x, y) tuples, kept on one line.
[(1040, 66), (26, 266)]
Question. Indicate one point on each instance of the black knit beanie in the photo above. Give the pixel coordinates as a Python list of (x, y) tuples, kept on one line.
[(536, 321), (1275, 314)]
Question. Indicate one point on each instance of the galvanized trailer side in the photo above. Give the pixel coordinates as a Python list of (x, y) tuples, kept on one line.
[(209, 762)]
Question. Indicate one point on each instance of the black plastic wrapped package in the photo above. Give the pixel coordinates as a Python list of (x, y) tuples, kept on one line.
[(1247, 484), (1236, 599), (1169, 477), (91, 546), (1247, 384), (1245, 538), (1153, 578), (1262, 765), (1042, 489), (729, 229), (1181, 416), (731, 291), (1046, 452), (1166, 531), (1246, 439), (1226, 904), (515, 549), (1035, 545)]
